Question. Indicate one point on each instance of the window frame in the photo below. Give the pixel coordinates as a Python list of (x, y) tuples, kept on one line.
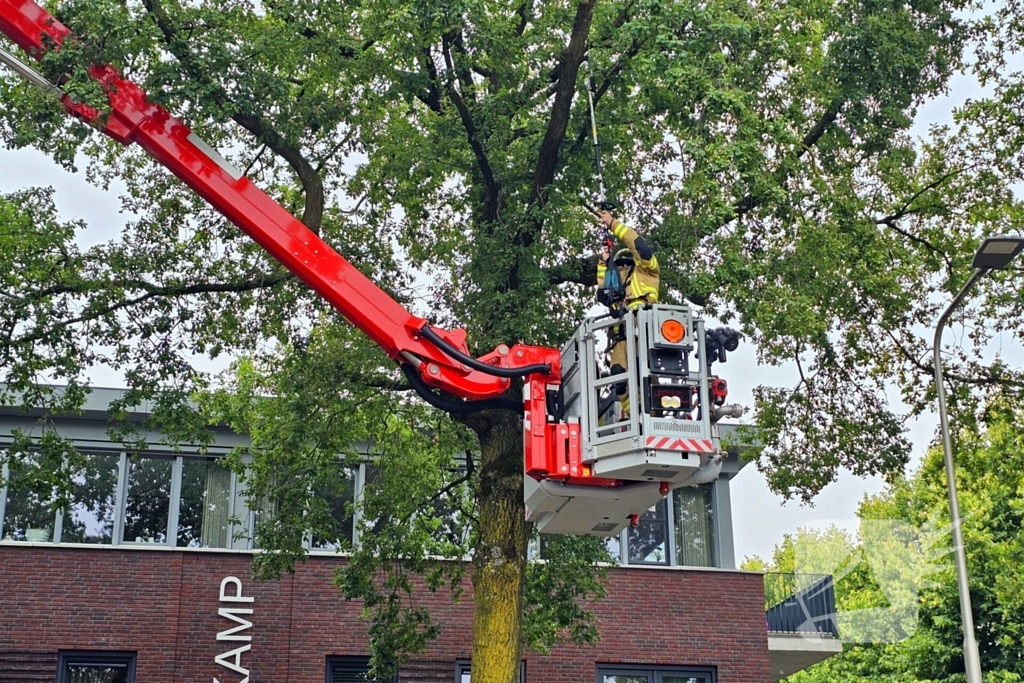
[(465, 665), (99, 658), (120, 494), (671, 544), (242, 519), (654, 673), (173, 497), (358, 481), (177, 483), (711, 491), (353, 661), (116, 512), (57, 527), (664, 522)]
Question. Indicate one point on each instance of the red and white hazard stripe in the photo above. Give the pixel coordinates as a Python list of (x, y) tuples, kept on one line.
[(668, 443)]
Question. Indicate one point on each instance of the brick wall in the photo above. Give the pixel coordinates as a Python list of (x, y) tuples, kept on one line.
[(164, 605)]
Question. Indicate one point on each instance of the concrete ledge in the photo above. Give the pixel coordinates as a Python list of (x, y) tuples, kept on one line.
[(792, 652)]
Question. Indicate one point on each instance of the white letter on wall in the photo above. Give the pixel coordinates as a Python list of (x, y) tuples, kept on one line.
[(232, 614), (237, 597), (235, 665)]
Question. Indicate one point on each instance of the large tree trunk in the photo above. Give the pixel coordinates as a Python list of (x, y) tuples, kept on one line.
[(499, 559)]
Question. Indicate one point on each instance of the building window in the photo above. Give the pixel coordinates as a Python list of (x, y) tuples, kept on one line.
[(204, 513), (680, 530), (148, 499), (352, 670), (641, 674), (90, 519), (159, 499), (28, 515), (96, 667), (463, 666), (648, 542), (339, 496), (693, 518), (445, 518), (26, 512)]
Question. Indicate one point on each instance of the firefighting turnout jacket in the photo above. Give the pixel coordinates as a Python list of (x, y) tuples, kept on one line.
[(641, 281)]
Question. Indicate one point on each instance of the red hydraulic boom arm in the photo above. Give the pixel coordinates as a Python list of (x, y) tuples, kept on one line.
[(440, 357)]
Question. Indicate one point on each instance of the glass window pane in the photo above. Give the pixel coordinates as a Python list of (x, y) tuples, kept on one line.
[(148, 500), (614, 545), (694, 526), (448, 528), (90, 518), (204, 513), (645, 675), (93, 673), (339, 496), (648, 542), (27, 515), (351, 670), (261, 518)]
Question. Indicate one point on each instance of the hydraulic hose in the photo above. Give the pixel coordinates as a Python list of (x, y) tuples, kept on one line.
[(459, 407), (469, 361)]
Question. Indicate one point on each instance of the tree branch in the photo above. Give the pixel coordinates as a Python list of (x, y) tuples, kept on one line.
[(254, 160), (905, 209), (376, 381), (307, 32), (609, 76), (379, 525), (312, 184), (433, 97), (606, 83), (152, 292), (473, 137), (987, 379), (569, 66), (523, 12), (464, 75), (752, 201), (582, 271), (890, 221)]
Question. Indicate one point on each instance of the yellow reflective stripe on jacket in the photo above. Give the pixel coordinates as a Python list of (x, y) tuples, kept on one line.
[(637, 290), (642, 284), (628, 236)]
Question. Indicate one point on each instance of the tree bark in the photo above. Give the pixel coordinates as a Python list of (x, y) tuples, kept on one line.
[(499, 558)]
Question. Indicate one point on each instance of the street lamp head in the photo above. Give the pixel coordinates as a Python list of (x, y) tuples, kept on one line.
[(997, 252)]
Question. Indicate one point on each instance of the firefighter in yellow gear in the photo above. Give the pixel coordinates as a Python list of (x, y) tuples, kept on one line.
[(640, 279)]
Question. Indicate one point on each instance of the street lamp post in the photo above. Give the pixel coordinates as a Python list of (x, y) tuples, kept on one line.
[(995, 253)]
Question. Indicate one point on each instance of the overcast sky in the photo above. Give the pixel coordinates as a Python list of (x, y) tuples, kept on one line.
[(760, 518)]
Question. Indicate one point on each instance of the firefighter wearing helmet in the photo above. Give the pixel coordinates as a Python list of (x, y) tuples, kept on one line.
[(637, 285)]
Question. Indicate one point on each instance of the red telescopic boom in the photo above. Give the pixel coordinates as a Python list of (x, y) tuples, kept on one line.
[(437, 358), (133, 119)]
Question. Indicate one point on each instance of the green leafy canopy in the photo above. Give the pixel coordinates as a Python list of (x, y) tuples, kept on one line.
[(989, 479), (762, 147)]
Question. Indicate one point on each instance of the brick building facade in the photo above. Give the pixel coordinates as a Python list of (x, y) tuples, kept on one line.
[(163, 606), (144, 577)]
